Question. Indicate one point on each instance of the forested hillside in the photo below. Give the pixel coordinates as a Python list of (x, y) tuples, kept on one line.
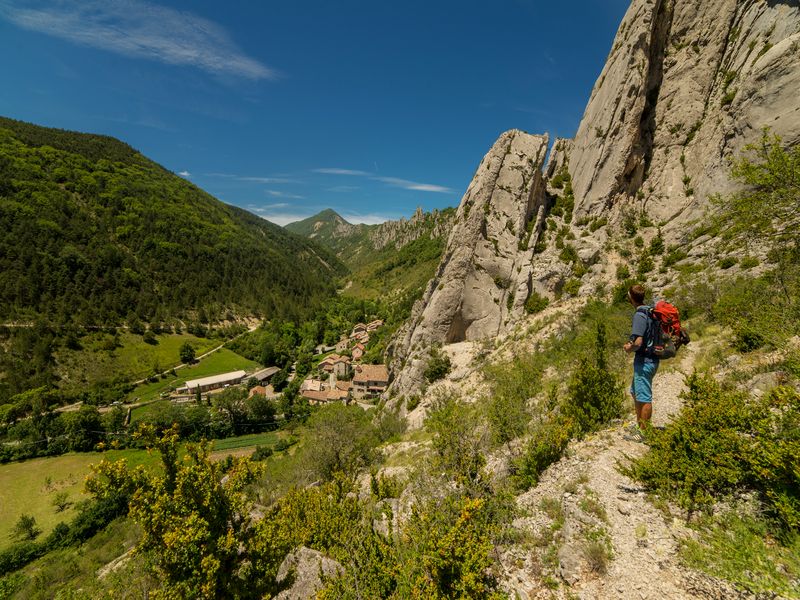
[(392, 261), (94, 233)]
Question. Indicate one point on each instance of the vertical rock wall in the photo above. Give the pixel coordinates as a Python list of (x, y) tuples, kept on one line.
[(485, 274)]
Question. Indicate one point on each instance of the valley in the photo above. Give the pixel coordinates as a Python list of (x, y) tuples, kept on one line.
[(197, 403)]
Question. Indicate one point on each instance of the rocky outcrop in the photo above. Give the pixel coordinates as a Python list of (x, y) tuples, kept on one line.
[(484, 277), (435, 224), (686, 85), (304, 570)]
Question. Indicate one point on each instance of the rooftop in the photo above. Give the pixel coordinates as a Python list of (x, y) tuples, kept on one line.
[(214, 379), (366, 373)]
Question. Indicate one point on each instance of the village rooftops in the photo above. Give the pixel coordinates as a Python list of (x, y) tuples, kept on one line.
[(265, 374), (216, 380), (371, 373), (333, 359)]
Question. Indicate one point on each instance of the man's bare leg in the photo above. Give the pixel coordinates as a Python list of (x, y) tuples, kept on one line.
[(644, 413)]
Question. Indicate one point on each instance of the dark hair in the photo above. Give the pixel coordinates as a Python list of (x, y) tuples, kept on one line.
[(636, 293)]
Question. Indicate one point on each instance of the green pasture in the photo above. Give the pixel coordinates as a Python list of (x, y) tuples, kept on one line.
[(97, 359), (222, 361), (30, 486)]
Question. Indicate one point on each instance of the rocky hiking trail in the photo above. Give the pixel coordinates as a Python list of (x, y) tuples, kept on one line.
[(583, 503)]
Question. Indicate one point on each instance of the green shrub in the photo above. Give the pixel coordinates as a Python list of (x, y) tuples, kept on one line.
[(657, 244), (638, 241), (569, 254), (623, 272), (536, 303), (412, 402), (645, 264), (748, 262), (549, 439), (262, 453), (572, 287), (724, 442), (595, 393), (727, 262), (747, 339), (438, 365)]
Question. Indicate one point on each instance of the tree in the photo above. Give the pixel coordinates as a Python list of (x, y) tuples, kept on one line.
[(595, 393), (341, 440), (232, 402), (456, 438), (769, 203), (186, 353), (196, 526), (61, 501), (25, 528)]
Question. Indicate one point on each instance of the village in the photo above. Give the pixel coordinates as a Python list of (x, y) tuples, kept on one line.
[(340, 376)]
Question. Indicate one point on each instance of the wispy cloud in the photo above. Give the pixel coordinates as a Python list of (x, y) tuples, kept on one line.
[(393, 181), (343, 188), (251, 179), (139, 29), (413, 185), (328, 171), (185, 174), (277, 194)]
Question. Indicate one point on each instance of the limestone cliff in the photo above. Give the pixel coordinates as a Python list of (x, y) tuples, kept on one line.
[(687, 84), (484, 276)]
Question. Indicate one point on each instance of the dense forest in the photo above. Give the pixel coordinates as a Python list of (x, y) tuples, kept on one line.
[(94, 233)]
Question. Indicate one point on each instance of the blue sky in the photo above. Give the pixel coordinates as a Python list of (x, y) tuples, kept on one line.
[(370, 108)]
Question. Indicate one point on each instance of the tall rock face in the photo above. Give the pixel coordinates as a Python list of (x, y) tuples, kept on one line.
[(686, 85), (484, 277)]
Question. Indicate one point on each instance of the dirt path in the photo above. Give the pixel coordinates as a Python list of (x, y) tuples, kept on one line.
[(583, 503)]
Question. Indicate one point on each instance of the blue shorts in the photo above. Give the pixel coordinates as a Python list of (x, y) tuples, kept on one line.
[(644, 369)]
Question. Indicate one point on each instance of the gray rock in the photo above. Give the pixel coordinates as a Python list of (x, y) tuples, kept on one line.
[(484, 277), (307, 567), (569, 564)]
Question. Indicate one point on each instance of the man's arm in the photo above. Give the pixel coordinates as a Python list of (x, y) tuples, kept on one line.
[(634, 345)]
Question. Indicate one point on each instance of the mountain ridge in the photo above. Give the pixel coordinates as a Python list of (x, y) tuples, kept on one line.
[(95, 232)]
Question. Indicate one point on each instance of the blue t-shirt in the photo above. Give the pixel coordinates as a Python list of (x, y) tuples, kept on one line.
[(639, 326)]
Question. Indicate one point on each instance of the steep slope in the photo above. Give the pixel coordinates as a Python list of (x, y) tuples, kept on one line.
[(484, 278), (93, 231), (392, 260), (327, 227), (686, 86)]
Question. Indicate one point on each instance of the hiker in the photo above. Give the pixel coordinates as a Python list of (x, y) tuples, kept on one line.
[(645, 364)]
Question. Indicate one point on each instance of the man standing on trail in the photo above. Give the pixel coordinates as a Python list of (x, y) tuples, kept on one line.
[(645, 365)]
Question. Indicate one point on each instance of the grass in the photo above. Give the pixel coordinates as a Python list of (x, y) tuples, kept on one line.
[(222, 361), (72, 572), (743, 551), (133, 360), (30, 486), (247, 441)]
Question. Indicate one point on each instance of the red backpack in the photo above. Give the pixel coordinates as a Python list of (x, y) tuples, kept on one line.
[(666, 335)]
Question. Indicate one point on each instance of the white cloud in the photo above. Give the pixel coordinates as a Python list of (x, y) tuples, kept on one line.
[(367, 219), (413, 185), (282, 217), (393, 181), (139, 29), (185, 174), (343, 188), (277, 194), (275, 180), (329, 171)]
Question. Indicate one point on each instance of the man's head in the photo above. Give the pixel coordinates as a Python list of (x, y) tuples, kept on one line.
[(636, 294)]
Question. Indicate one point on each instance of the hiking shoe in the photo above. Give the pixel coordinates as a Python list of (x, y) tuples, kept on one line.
[(634, 434)]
